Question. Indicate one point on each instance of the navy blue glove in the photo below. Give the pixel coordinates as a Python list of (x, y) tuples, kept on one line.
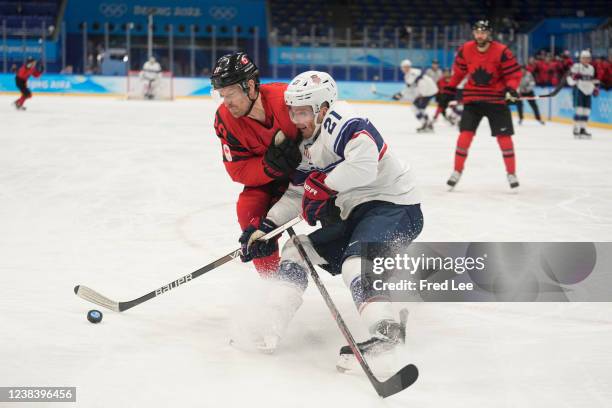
[(317, 201), (252, 246)]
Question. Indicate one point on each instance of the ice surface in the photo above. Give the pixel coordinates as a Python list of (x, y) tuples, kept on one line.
[(127, 196)]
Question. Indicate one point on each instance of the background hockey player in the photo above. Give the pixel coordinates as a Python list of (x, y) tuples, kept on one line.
[(420, 88), (358, 190), (526, 89), (30, 68), (582, 78), (151, 76), (434, 71), (443, 97), (246, 123), (493, 79)]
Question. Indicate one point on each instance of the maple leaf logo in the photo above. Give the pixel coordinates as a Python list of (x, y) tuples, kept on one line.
[(481, 77)]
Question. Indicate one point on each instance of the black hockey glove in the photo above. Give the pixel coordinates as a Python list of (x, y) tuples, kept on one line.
[(511, 95), (282, 157), (252, 247), (450, 90)]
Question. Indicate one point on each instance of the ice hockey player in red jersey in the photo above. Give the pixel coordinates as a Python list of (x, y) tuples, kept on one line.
[(30, 68), (493, 79), (444, 98), (246, 122)]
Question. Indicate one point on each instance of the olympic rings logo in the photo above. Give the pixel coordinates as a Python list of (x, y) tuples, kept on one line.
[(222, 13), (113, 9)]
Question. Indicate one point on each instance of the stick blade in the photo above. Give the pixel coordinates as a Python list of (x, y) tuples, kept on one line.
[(401, 380), (94, 297)]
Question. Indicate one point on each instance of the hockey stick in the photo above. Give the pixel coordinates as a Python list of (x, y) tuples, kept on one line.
[(401, 380), (95, 297), (554, 92), (375, 92)]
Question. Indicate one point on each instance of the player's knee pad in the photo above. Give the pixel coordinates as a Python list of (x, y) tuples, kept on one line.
[(294, 273), (505, 143), (371, 307), (290, 251), (351, 274), (351, 270), (465, 139), (27, 93)]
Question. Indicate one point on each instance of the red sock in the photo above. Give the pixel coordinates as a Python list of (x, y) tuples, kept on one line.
[(267, 266), (438, 111), (21, 100), (463, 144), (507, 148)]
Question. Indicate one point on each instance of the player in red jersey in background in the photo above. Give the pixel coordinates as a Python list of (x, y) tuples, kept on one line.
[(444, 98), (246, 122), (30, 68), (493, 79)]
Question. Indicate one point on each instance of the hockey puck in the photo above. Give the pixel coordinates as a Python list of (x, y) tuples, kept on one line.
[(94, 316)]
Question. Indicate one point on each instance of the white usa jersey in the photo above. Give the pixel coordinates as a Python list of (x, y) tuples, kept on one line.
[(586, 82), (358, 163), (150, 70), (418, 85)]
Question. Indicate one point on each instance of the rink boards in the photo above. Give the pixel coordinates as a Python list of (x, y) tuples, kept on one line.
[(560, 107)]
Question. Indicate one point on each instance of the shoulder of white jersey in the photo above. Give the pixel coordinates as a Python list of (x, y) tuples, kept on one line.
[(343, 125)]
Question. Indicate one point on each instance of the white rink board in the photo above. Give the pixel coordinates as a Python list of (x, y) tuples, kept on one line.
[(126, 196)]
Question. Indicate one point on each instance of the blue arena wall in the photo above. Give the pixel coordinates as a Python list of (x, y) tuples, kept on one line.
[(560, 106)]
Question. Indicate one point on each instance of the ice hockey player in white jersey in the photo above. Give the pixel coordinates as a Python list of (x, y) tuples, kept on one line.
[(435, 72), (582, 78), (420, 89), (351, 182), (150, 75)]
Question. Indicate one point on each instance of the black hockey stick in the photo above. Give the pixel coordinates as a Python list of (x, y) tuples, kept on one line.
[(401, 380), (95, 297), (554, 92)]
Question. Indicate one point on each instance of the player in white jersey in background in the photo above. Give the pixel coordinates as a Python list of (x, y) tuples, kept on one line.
[(150, 75), (352, 183), (435, 72), (420, 88), (582, 78)]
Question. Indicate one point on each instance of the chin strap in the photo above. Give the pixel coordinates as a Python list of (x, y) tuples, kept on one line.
[(252, 104), (245, 89)]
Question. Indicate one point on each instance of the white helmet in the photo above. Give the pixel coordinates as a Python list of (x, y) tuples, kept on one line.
[(406, 63), (312, 88), (585, 54)]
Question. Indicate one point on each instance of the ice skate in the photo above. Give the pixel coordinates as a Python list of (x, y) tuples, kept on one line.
[(453, 179), (426, 128), (513, 180), (389, 334), (584, 134)]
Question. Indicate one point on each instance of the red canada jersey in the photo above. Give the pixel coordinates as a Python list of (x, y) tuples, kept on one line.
[(443, 83), (24, 72), (245, 140), (489, 73)]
